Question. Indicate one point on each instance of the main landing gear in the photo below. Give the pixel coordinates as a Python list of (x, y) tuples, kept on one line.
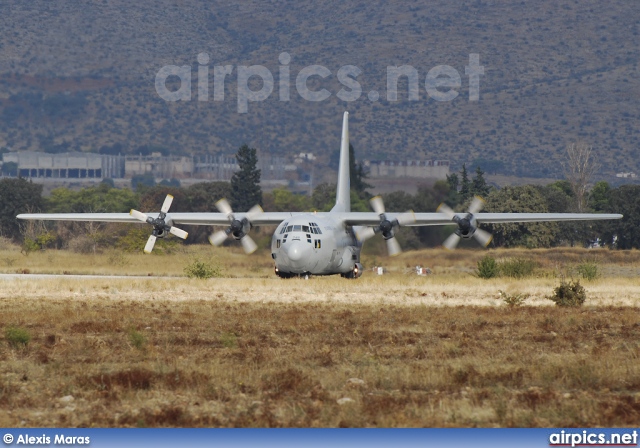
[(355, 273)]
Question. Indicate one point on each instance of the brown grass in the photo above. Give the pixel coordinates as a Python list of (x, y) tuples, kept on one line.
[(442, 350)]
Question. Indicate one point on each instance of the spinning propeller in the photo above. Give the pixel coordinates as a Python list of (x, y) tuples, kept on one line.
[(466, 226), (386, 227), (238, 228), (160, 225)]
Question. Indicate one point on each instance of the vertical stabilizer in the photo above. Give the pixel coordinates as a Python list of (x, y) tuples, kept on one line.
[(343, 192)]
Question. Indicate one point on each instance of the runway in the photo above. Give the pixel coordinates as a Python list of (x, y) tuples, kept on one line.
[(79, 277)]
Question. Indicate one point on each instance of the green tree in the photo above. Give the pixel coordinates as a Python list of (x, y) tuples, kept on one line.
[(556, 198), (520, 199), (99, 199), (203, 196), (453, 182), (141, 181), (465, 184), (17, 196), (153, 198), (10, 169), (170, 182), (357, 174), (283, 200), (245, 183), (323, 197), (479, 185), (626, 231), (599, 197), (427, 199)]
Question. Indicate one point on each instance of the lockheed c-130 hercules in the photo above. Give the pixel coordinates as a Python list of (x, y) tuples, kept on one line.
[(320, 243)]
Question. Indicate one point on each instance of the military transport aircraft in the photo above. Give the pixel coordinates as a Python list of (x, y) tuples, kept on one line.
[(320, 243)]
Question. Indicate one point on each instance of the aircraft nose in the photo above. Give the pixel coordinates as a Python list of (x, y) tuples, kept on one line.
[(296, 251)]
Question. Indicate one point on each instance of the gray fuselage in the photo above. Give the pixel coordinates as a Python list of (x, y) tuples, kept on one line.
[(314, 244)]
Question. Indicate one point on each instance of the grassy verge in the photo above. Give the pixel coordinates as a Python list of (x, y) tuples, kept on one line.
[(225, 363), (395, 350)]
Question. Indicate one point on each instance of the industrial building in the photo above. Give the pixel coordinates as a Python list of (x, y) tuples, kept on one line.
[(77, 165), (72, 165), (430, 169)]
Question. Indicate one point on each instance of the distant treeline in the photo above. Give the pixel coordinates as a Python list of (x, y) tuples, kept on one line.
[(22, 196)]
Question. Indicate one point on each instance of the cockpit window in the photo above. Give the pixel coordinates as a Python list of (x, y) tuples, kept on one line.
[(289, 229), (305, 229), (297, 228)]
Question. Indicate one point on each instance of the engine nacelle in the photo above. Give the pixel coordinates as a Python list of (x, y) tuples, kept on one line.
[(465, 229), (239, 228)]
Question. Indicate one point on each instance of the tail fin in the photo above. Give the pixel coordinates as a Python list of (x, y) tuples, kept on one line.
[(343, 192)]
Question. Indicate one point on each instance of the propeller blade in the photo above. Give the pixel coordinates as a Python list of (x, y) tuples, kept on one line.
[(483, 237), (451, 242), (218, 238), (476, 205), (179, 233), (166, 204), (150, 243), (377, 205), (253, 212), (365, 233), (393, 247), (446, 210), (406, 218), (138, 215), (224, 207), (248, 244)]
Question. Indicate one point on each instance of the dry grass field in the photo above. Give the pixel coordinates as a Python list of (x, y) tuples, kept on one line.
[(249, 349)]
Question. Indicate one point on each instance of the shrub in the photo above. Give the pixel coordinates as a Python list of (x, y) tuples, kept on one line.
[(136, 338), (588, 270), (229, 340), (569, 294), (201, 269), (513, 300), (17, 337), (517, 267), (487, 267), (29, 245)]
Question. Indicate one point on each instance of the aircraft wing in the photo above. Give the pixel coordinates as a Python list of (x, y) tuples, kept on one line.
[(497, 218), (438, 219), (373, 219), (350, 218), (220, 219), (202, 219)]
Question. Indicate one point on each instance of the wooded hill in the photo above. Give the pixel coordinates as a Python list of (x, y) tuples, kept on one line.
[(80, 75)]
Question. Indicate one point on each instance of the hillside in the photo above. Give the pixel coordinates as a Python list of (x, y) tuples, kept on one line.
[(80, 75)]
